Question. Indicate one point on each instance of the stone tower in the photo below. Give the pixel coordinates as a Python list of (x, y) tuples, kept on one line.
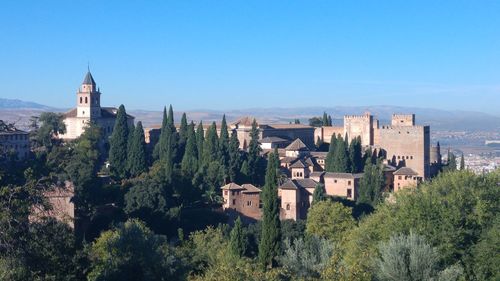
[(88, 99)]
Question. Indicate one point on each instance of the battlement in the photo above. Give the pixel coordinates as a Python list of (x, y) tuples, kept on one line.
[(403, 120), (414, 128), (365, 116)]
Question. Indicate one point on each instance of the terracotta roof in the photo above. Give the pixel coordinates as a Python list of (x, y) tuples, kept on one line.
[(250, 188), (296, 145), (232, 186), (289, 184), (244, 121), (343, 175), (406, 171), (288, 159)]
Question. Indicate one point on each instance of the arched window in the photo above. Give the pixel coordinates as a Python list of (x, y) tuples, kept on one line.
[(86, 100), (81, 100), (288, 207)]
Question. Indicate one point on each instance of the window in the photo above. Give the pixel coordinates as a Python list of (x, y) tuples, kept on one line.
[(249, 203), (407, 157), (399, 177), (349, 193), (288, 207), (225, 192), (335, 181), (399, 157), (234, 201), (348, 182), (81, 100), (411, 157), (86, 100)]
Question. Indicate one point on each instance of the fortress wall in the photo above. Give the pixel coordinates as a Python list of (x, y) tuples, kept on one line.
[(359, 125), (325, 133), (408, 145)]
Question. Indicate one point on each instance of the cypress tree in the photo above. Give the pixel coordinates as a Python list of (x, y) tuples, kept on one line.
[(318, 194), (254, 150), (452, 162), (325, 119), (137, 152), (200, 140), (238, 240), (161, 147), (462, 163), (330, 123), (244, 172), (118, 144), (224, 147), (355, 156), (341, 158), (183, 135), (171, 143), (189, 164), (211, 145), (371, 184), (269, 247), (234, 157), (331, 153)]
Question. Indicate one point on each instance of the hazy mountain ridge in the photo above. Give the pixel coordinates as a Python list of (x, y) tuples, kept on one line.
[(454, 120)]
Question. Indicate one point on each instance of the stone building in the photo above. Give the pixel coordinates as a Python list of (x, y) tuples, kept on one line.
[(14, 141), (406, 177), (62, 206), (242, 200), (88, 109)]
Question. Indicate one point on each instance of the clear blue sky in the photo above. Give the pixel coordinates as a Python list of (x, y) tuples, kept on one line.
[(241, 54)]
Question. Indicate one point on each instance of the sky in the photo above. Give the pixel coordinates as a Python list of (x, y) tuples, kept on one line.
[(244, 54)]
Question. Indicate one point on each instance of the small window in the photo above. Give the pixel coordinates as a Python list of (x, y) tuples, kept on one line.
[(234, 201), (86, 100), (349, 193), (225, 192), (407, 157), (411, 157), (348, 182), (288, 207), (81, 99), (335, 181), (399, 177)]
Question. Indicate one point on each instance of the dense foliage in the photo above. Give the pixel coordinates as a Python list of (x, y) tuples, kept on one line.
[(158, 219)]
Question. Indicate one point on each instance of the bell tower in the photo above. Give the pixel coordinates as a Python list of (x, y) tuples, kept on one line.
[(88, 99)]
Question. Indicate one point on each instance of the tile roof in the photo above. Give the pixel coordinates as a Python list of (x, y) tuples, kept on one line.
[(296, 145), (299, 184), (406, 171), (232, 186), (89, 80), (106, 112), (272, 139), (299, 164), (250, 188), (343, 175)]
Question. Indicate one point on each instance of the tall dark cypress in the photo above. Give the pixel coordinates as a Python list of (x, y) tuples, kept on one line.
[(371, 184), (355, 155), (238, 240), (341, 158), (331, 154), (254, 150), (189, 164), (224, 147), (183, 132), (137, 152), (200, 140), (269, 247), (118, 144), (161, 147), (211, 146), (330, 123), (234, 157), (325, 119), (171, 143), (462, 162)]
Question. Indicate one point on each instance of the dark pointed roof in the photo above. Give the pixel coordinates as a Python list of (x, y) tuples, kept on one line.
[(89, 80), (296, 145)]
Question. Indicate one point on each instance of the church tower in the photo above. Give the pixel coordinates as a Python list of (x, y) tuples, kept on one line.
[(88, 99)]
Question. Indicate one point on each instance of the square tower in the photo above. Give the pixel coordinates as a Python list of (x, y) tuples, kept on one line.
[(88, 99)]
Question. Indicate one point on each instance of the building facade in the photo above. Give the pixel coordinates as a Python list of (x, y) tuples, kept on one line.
[(14, 142), (88, 110)]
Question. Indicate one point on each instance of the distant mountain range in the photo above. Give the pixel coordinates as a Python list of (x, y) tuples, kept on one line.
[(20, 104), (19, 111)]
